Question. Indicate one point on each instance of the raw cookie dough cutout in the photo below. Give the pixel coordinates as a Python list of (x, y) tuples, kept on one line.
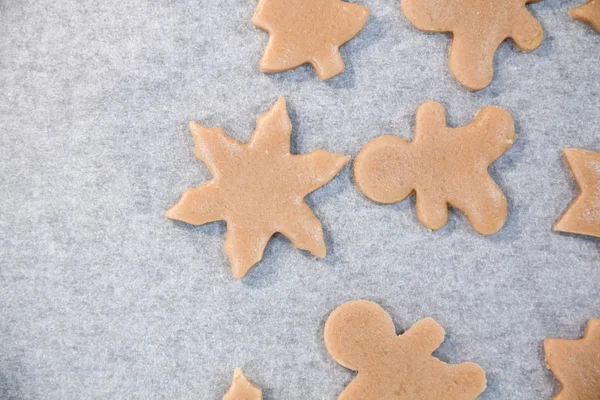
[(478, 27), (588, 13), (583, 215), (242, 389), (361, 336), (258, 188), (444, 166), (576, 364), (307, 31)]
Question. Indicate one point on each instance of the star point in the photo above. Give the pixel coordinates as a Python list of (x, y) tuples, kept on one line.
[(242, 389), (588, 13)]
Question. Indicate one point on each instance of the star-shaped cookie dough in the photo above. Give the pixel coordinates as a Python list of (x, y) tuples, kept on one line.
[(242, 389), (583, 215), (576, 364), (443, 166), (588, 13), (478, 28), (307, 31), (258, 188), (361, 336)]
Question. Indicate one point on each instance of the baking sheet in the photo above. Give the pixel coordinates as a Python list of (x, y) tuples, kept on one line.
[(103, 298)]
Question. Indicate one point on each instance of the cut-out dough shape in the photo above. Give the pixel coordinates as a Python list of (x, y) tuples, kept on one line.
[(242, 389), (258, 188), (576, 364), (583, 215), (444, 166), (361, 336), (588, 13), (478, 28), (307, 31)]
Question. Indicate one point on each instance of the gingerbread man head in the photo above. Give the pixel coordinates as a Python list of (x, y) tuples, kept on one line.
[(361, 336), (444, 166)]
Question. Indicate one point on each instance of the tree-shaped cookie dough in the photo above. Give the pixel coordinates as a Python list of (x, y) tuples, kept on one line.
[(307, 31), (583, 215), (588, 13), (444, 166), (242, 389), (478, 27), (576, 364), (258, 188), (361, 336)]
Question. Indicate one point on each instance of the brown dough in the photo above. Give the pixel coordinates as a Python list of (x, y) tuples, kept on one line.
[(478, 28), (576, 364), (444, 166), (307, 31), (361, 336), (242, 389), (583, 215), (588, 13), (258, 188)]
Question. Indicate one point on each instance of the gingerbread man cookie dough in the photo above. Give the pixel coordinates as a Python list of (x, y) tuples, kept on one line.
[(444, 166), (588, 13), (307, 31), (583, 215), (258, 188), (576, 364), (242, 389), (478, 27), (361, 336)]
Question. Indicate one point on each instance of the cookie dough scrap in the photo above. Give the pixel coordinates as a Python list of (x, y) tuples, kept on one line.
[(361, 336), (258, 188), (588, 13), (576, 364), (583, 215), (478, 27), (444, 166), (242, 389), (307, 31)]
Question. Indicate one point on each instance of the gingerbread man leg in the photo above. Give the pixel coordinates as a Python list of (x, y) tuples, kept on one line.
[(432, 210), (484, 204), (472, 59)]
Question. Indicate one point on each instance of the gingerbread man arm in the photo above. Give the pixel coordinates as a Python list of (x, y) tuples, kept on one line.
[(527, 32), (426, 334)]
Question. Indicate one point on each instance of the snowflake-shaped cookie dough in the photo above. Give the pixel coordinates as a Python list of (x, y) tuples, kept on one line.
[(258, 188), (242, 389)]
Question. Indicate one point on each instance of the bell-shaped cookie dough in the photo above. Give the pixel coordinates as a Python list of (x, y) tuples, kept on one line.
[(478, 27), (576, 364), (258, 189), (307, 31), (361, 336), (444, 166)]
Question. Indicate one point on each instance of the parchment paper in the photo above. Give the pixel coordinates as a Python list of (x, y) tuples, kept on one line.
[(101, 297)]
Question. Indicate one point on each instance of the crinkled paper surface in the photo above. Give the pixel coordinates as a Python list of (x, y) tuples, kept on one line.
[(101, 297)]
